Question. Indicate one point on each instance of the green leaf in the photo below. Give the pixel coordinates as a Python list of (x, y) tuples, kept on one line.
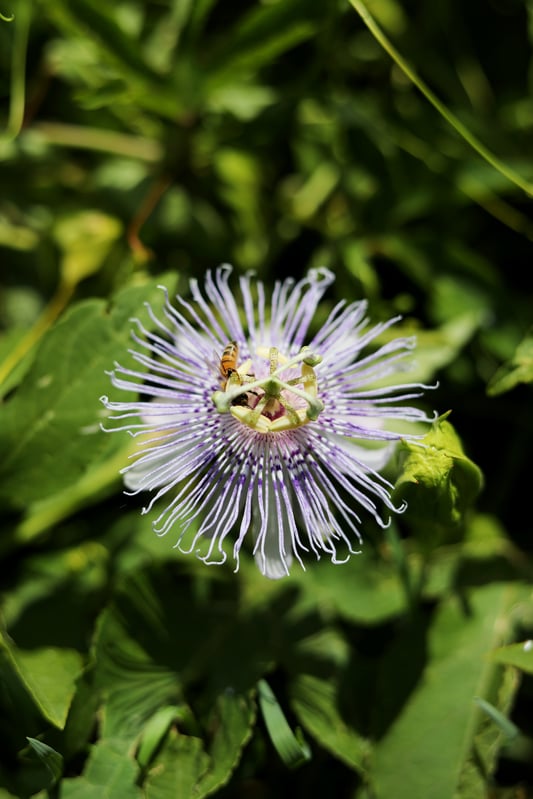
[(79, 729), (126, 664), (155, 731), (187, 766), (49, 676), (136, 643), (518, 655), (518, 370), (136, 646), (90, 21), (430, 742), (49, 430), (322, 697), (439, 483), (365, 590), (110, 773), (291, 748), (232, 719), (85, 238), (495, 735), (51, 759), (317, 704), (178, 769), (9, 341), (441, 347), (260, 37)]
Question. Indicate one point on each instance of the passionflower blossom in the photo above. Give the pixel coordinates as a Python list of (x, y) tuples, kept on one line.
[(258, 427)]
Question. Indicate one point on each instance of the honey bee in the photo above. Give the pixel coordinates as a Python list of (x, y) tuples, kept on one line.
[(228, 364), (231, 376)]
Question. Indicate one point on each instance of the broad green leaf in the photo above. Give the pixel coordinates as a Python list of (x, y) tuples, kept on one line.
[(125, 666), (9, 342), (308, 198), (49, 430), (136, 646), (356, 255), (240, 176), (430, 741), (49, 676), (110, 773), (145, 662), (245, 102), (518, 370), (460, 298), (79, 728)]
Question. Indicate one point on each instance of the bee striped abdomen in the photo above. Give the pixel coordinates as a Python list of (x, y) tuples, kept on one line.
[(228, 361)]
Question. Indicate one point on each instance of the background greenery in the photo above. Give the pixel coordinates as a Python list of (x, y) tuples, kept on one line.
[(145, 142)]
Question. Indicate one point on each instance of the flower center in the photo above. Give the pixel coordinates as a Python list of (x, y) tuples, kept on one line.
[(283, 399)]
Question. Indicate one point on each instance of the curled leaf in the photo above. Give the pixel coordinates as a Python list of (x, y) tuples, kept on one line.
[(439, 483)]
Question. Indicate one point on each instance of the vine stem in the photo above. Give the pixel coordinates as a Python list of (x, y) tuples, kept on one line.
[(21, 29), (448, 115)]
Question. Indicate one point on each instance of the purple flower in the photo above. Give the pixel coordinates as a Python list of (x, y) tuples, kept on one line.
[(256, 428)]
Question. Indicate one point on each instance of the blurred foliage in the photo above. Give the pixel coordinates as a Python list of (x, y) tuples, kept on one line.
[(143, 143)]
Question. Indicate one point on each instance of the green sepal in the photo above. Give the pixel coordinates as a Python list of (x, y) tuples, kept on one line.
[(439, 483)]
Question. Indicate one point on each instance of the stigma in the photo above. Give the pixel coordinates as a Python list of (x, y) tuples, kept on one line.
[(283, 398)]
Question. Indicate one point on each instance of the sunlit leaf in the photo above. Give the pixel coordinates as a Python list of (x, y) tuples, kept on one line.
[(110, 773), (50, 429), (49, 675), (85, 239)]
